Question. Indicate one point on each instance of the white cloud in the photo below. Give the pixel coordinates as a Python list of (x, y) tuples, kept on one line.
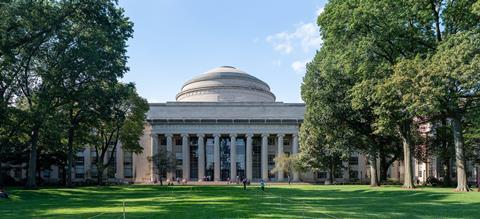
[(299, 66), (306, 36)]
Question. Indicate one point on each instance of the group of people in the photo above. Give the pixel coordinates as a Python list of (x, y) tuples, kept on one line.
[(246, 182)]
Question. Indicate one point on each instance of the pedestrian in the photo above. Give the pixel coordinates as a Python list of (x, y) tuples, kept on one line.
[(478, 182), (244, 181), (262, 185), (289, 179), (3, 193)]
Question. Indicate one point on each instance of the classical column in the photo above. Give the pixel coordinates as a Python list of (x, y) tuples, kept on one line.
[(233, 157), (249, 156), (279, 153), (201, 157), (153, 152), (186, 156), (265, 157), (169, 138), (296, 175), (216, 157)]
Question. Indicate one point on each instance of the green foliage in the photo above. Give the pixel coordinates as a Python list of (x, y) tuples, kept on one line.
[(120, 119), (164, 161), (55, 58), (286, 164)]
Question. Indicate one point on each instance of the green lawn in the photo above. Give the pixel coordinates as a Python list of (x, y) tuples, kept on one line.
[(279, 201)]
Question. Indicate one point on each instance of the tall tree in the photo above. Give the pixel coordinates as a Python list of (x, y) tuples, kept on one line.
[(315, 152), (96, 37), (27, 29), (51, 53), (120, 119), (372, 37), (452, 74)]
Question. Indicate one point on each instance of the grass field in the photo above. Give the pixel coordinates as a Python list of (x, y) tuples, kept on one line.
[(279, 201)]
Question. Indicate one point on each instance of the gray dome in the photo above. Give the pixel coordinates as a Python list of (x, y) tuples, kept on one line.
[(225, 84)]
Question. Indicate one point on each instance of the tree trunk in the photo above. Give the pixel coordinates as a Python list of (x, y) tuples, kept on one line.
[(2, 184), (447, 180), (100, 171), (407, 155), (32, 163), (71, 133), (459, 155), (383, 167), (478, 178), (332, 171), (64, 174), (373, 170)]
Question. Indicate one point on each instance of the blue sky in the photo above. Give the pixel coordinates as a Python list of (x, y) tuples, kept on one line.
[(175, 40)]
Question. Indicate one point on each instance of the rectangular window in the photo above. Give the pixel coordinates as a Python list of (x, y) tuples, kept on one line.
[(178, 141), (322, 175), (79, 166), (353, 174), (271, 160), (46, 173), (162, 141), (128, 164), (419, 173), (338, 174), (271, 140), (179, 173), (18, 173), (179, 158), (353, 161), (286, 141)]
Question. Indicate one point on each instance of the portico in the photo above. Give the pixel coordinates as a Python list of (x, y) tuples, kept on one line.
[(241, 164)]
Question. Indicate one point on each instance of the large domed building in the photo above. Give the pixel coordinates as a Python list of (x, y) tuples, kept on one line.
[(224, 124)]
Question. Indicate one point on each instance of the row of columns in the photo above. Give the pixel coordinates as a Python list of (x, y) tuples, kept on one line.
[(233, 155)]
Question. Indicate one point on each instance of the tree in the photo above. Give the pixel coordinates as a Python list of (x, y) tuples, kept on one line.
[(286, 164), (316, 154), (372, 36), (454, 83), (164, 161), (326, 91), (27, 28), (120, 119), (51, 52), (96, 37)]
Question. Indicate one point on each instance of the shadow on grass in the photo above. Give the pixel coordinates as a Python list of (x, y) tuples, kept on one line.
[(231, 201)]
